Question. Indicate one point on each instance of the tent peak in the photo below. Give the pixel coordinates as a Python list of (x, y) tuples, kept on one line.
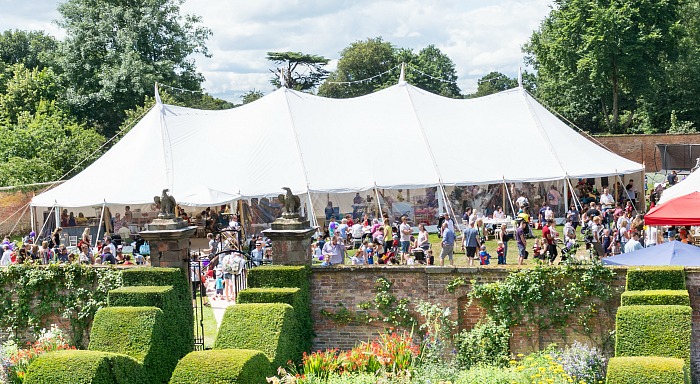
[(402, 76)]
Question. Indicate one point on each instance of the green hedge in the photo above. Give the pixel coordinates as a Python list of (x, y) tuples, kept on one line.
[(138, 291), (647, 370), (279, 276), (653, 330), (270, 328), (289, 296), (648, 278), (222, 366), (656, 297), (84, 367), (138, 332)]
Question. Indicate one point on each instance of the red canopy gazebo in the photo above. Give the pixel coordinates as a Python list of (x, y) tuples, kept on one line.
[(683, 210)]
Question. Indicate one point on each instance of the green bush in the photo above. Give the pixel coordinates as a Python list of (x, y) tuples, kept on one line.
[(647, 370), (648, 278), (656, 297), (270, 328), (138, 332), (289, 296), (139, 291), (486, 343), (653, 330), (278, 276), (222, 366), (84, 367)]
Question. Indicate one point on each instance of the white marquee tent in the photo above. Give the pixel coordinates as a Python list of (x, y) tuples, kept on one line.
[(690, 184), (321, 145)]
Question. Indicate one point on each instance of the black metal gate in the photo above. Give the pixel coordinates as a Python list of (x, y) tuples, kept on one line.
[(198, 281)]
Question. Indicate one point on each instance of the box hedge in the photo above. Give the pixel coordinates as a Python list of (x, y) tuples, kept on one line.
[(222, 366), (138, 332), (650, 278), (139, 290), (84, 367), (271, 328), (653, 330), (279, 276), (656, 297), (647, 370)]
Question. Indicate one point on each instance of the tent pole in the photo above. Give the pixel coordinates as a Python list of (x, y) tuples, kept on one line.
[(576, 200), (448, 207), (566, 195), (503, 196), (311, 213), (57, 217), (45, 221), (31, 218), (510, 198), (379, 204), (99, 226)]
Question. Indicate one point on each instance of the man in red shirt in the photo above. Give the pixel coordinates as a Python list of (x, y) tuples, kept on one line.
[(549, 234)]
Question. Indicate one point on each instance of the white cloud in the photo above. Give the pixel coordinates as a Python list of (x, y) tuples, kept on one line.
[(479, 37)]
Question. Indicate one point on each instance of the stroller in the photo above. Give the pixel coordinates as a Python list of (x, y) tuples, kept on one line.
[(391, 250)]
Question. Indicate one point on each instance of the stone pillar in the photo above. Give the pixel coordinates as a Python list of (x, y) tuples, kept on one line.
[(291, 240), (170, 242)]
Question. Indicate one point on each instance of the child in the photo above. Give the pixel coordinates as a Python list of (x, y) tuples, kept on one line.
[(358, 258), (537, 249), (219, 285), (484, 256), (429, 258), (369, 249), (501, 253)]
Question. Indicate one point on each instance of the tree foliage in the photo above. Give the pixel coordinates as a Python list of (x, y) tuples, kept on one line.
[(30, 48), (597, 61), (301, 71), (366, 60), (115, 51), (251, 96)]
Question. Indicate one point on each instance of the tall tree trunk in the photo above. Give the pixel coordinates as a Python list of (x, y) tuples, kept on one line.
[(605, 114), (615, 112)]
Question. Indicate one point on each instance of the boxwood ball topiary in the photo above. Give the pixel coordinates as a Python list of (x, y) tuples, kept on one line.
[(656, 297), (647, 370), (654, 330), (222, 366), (648, 278), (270, 328), (138, 332), (84, 367)]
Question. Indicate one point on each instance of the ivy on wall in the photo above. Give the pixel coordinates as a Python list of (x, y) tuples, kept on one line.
[(34, 296)]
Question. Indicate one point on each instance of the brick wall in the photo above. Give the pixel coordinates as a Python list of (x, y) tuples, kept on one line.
[(642, 148), (350, 286), (10, 202)]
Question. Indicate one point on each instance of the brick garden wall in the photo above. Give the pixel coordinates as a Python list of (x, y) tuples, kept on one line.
[(10, 202), (350, 286), (642, 148)]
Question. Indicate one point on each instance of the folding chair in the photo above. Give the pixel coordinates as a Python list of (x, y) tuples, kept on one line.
[(72, 241)]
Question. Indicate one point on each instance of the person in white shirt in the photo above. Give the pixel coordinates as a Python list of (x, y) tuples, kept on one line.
[(633, 244), (548, 213), (606, 199), (6, 256), (499, 214), (405, 232), (651, 233)]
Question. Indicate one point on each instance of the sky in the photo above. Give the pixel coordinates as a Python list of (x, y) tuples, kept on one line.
[(479, 36)]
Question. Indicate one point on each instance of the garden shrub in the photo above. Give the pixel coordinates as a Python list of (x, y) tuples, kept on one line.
[(222, 366), (84, 367), (585, 364), (139, 290), (656, 297), (280, 276), (653, 330), (138, 332), (647, 370), (271, 328), (486, 343), (651, 278)]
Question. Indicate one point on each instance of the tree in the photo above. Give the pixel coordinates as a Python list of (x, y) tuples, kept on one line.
[(596, 60), (24, 90), (115, 51), (30, 48), (359, 61), (370, 65), (493, 82), (251, 96), (302, 72)]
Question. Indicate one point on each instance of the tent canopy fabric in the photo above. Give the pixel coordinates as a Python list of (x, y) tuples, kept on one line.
[(671, 253), (688, 185), (681, 210), (321, 145)]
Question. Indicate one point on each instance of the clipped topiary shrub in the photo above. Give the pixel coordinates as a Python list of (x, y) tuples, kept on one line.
[(650, 278), (653, 330), (222, 366), (138, 332), (279, 276), (647, 370), (84, 367), (139, 291), (270, 328), (655, 297)]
